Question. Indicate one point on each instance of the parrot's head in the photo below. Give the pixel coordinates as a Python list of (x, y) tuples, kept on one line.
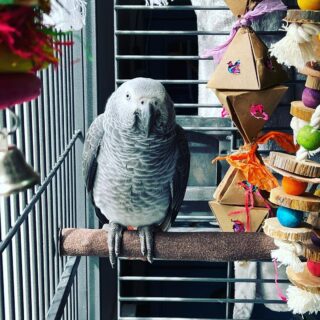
[(144, 105)]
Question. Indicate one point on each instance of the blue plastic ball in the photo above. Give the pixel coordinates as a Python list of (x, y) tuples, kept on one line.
[(289, 218)]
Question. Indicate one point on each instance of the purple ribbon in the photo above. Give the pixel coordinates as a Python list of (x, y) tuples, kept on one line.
[(264, 7)]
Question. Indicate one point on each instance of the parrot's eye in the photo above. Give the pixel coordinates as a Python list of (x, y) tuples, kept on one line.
[(128, 96), (156, 103)]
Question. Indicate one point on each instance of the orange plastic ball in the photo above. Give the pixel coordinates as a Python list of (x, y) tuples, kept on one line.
[(309, 4), (293, 187)]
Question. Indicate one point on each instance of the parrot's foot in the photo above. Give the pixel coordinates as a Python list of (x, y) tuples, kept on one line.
[(115, 231), (146, 241)]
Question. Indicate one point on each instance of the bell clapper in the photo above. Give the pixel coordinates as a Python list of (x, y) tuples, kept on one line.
[(3, 139), (5, 132)]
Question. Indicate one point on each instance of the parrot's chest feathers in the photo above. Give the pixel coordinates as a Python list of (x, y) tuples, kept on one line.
[(134, 174), (138, 156)]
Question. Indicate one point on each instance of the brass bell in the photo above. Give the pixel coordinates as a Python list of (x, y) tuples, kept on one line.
[(15, 174)]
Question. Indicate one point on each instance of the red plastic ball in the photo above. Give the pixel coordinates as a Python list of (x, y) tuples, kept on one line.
[(314, 268)]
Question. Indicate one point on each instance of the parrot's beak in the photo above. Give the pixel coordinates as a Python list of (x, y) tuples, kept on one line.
[(148, 118)]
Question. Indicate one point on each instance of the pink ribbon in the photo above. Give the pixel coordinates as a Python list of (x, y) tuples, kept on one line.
[(264, 7), (249, 202), (276, 279), (224, 113)]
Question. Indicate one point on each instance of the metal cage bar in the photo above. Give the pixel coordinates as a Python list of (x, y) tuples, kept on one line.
[(35, 282)]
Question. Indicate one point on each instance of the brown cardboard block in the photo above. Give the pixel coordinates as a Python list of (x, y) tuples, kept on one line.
[(226, 221), (239, 104), (240, 7), (230, 192), (246, 65)]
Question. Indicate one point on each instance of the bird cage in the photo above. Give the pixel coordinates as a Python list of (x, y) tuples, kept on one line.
[(124, 39)]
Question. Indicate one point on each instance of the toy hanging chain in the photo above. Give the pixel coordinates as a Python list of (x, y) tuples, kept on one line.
[(264, 7)]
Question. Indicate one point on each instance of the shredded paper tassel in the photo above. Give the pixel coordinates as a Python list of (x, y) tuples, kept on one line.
[(247, 161), (288, 254), (264, 7), (296, 48), (22, 32), (301, 301)]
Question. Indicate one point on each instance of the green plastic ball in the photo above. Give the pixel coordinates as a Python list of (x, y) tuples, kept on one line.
[(309, 138)]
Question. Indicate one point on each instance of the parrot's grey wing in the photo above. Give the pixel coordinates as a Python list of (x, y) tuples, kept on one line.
[(89, 158), (180, 178), (91, 150)]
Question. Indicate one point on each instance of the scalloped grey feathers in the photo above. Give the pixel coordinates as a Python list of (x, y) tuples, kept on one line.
[(137, 178)]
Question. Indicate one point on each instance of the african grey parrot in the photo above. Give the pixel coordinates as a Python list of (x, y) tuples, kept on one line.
[(136, 163)]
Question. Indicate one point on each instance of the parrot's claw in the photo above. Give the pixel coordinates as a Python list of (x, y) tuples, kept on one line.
[(146, 241), (115, 232)]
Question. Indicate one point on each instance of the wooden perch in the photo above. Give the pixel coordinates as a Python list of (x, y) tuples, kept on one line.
[(191, 246)]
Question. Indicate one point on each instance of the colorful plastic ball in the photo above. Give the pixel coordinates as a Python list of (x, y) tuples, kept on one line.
[(314, 268), (293, 186), (309, 138), (315, 239), (309, 4), (311, 97), (17, 88), (289, 218)]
